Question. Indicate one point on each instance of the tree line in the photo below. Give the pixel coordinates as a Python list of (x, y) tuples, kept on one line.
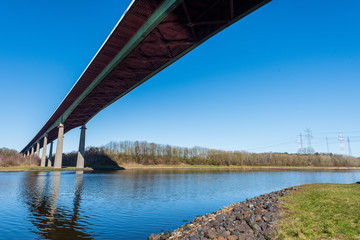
[(145, 153)]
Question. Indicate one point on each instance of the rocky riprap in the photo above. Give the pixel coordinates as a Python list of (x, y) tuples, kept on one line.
[(254, 218)]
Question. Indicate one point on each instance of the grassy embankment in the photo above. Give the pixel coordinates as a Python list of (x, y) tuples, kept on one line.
[(188, 166), (321, 211)]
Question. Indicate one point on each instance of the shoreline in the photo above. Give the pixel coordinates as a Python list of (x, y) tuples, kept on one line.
[(174, 167), (187, 166), (255, 218), (309, 211)]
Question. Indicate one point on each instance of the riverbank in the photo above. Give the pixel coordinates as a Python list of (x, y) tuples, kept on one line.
[(254, 218), (315, 211), (188, 166), (134, 166)]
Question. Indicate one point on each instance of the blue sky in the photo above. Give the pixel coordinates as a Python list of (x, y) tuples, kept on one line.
[(255, 86)]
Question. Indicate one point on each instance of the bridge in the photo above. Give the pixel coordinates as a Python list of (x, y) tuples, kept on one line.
[(150, 35)]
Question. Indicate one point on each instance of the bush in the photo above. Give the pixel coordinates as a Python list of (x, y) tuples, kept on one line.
[(9, 157)]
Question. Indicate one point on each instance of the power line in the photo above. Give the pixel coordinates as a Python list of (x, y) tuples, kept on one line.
[(347, 132), (348, 140), (309, 136), (272, 145), (341, 139), (311, 141), (300, 144), (327, 145)]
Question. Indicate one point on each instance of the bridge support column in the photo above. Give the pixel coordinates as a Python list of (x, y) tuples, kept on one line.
[(59, 147), (37, 149), (27, 153), (80, 162), (43, 156), (49, 163), (32, 151)]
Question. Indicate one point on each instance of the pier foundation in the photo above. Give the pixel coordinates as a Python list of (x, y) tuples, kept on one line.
[(80, 162), (43, 156), (59, 147), (49, 163), (37, 149)]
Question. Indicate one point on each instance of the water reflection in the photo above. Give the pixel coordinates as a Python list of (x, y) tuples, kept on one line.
[(40, 192), (132, 204)]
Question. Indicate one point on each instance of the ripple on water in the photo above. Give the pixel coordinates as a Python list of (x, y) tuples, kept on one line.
[(130, 204)]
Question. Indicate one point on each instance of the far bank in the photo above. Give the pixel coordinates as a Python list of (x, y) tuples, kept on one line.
[(134, 166), (143, 155)]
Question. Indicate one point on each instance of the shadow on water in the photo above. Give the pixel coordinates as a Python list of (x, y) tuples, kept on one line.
[(95, 158), (40, 193)]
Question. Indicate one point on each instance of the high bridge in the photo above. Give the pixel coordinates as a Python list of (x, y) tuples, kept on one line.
[(150, 35)]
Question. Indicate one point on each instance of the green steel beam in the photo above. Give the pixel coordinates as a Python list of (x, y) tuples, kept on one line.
[(171, 61), (154, 20)]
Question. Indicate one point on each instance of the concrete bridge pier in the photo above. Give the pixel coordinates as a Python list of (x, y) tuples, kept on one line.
[(80, 162), (37, 149), (59, 147), (49, 163), (43, 156), (27, 153), (32, 151)]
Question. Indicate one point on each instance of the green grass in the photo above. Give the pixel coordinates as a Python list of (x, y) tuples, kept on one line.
[(321, 211)]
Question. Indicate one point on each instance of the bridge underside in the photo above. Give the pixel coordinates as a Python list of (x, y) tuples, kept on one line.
[(187, 25)]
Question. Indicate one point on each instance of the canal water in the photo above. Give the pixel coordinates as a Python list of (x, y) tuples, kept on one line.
[(131, 204)]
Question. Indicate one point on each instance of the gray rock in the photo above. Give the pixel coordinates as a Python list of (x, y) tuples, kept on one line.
[(194, 237), (154, 237), (255, 218), (210, 234), (165, 235), (250, 221), (256, 227), (220, 217)]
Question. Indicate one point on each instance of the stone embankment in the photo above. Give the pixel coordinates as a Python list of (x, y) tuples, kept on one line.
[(254, 218)]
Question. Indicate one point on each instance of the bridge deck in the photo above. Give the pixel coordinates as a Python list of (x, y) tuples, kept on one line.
[(150, 35)]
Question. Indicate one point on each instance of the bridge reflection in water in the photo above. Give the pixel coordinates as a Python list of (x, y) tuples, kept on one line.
[(40, 192), (132, 204)]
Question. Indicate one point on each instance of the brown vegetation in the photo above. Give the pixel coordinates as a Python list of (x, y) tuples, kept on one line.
[(127, 152), (153, 154), (10, 158)]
